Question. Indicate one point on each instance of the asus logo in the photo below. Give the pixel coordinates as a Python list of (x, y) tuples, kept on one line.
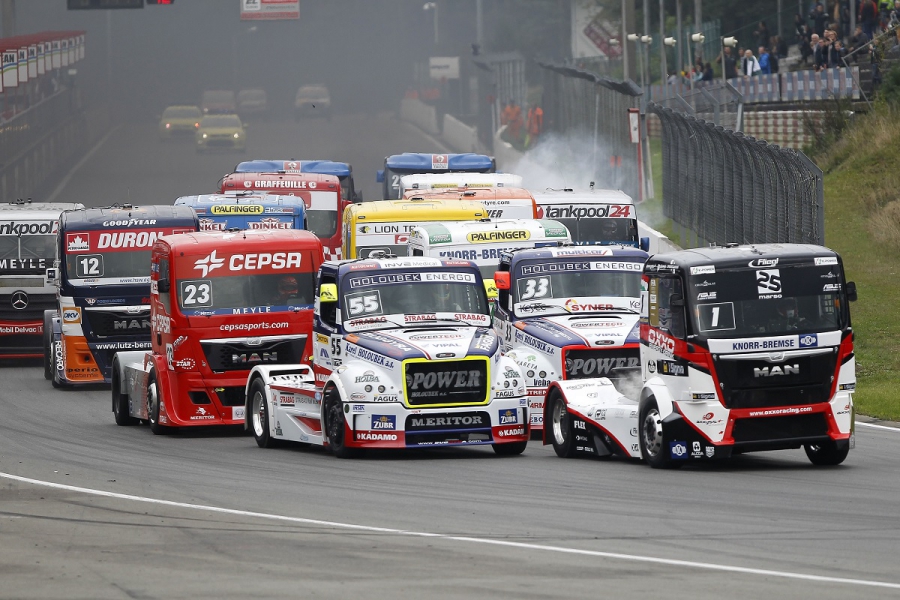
[(254, 357), (781, 370)]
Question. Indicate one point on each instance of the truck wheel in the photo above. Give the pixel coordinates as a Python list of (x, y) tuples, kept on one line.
[(153, 400), (55, 380), (652, 437), (511, 449), (335, 426), (49, 365), (120, 400), (827, 453), (561, 431), (259, 415)]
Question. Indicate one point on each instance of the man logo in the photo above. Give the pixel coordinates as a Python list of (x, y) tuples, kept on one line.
[(19, 300), (209, 263)]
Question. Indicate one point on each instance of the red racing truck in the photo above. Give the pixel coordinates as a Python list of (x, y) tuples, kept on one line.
[(221, 303), (322, 194)]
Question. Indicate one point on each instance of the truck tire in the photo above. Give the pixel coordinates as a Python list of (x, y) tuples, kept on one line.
[(259, 415), (120, 400), (562, 433), (510, 449), (652, 437), (153, 400), (828, 453), (336, 426), (49, 365)]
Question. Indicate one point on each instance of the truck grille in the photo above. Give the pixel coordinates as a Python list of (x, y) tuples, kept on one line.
[(759, 383), (446, 382), (614, 363), (112, 324), (37, 304), (241, 356), (769, 429)]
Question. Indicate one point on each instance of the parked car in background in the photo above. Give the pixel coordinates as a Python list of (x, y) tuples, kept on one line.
[(312, 100), (179, 121), (215, 102), (252, 103)]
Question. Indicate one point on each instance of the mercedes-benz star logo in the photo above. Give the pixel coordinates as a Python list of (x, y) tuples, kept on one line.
[(19, 300)]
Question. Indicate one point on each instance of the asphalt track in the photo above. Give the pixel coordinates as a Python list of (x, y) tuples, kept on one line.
[(92, 510)]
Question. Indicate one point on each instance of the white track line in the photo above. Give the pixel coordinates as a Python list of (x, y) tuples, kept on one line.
[(474, 540), (894, 429)]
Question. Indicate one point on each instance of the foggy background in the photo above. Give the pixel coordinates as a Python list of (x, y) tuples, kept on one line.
[(363, 50)]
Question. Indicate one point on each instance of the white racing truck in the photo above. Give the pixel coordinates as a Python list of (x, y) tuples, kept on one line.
[(743, 348), (570, 313), (404, 357)]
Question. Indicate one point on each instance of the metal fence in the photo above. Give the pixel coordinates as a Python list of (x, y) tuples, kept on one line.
[(501, 79), (717, 102), (579, 104), (723, 186)]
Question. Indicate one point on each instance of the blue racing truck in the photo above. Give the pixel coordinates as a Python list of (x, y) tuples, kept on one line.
[(103, 302), (341, 170), (246, 210), (410, 163)]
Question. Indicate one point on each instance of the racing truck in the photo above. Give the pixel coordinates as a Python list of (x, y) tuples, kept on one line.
[(743, 348), (246, 210), (404, 357), (594, 216), (411, 163), (341, 170), (321, 193), (221, 303), (103, 301), (570, 313), (27, 262)]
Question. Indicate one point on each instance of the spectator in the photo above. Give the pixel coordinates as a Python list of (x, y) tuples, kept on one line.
[(515, 122), (818, 51), (895, 15), (764, 67), (819, 19), (749, 64), (535, 124), (859, 39), (868, 17), (839, 53), (707, 72), (775, 56), (804, 41), (779, 47), (729, 64), (506, 115), (762, 34)]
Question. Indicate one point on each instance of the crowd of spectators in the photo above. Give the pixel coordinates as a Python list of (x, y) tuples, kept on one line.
[(824, 36)]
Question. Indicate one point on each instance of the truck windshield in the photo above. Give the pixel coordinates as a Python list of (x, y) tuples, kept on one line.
[(781, 299), (27, 246), (380, 294), (601, 231), (323, 223), (600, 277), (238, 293), (110, 267)]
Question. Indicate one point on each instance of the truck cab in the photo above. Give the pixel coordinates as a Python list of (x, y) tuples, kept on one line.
[(221, 303), (343, 171), (594, 216), (246, 210), (500, 202), (411, 163), (404, 357), (103, 301), (743, 348), (27, 270), (570, 313)]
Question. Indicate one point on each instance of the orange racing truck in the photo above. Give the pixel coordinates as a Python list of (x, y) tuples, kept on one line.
[(103, 279), (221, 303)]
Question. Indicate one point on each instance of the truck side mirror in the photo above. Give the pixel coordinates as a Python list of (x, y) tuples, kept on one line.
[(164, 285), (328, 292), (52, 276), (379, 176), (851, 291), (491, 289), (645, 244), (676, 300), (501, 280)]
